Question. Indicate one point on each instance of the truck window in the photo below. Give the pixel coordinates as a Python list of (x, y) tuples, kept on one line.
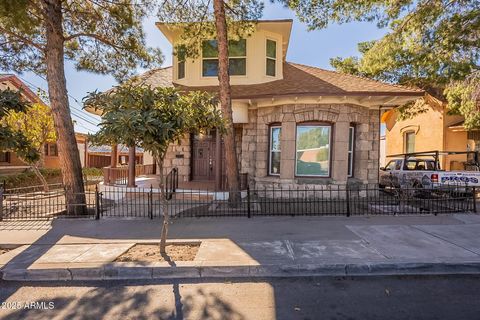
[(410, 165), (430, 165), (390, 165), (398, 164)]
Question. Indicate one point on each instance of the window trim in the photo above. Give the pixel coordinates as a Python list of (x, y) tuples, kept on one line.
[(229, 57), (267, 57), (316, 124), (351, 168), (405, 145), (270, 127)]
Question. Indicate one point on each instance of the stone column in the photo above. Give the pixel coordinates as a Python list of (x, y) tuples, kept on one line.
[(287, 147), (339, 168), (131, 166)]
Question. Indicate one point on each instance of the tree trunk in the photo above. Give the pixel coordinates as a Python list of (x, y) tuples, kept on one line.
[(41, 177), (231, 162), (163, 205), (57, 91)]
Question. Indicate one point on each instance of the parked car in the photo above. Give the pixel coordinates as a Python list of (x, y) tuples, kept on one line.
[(422, 169)]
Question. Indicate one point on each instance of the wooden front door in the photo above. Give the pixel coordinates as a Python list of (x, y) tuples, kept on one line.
[(203, 157)]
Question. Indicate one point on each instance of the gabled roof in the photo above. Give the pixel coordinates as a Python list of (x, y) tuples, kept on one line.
[(297, 80), (17, 83)]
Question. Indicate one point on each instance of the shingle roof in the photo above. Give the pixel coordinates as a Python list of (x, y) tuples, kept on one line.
[(297, 80)]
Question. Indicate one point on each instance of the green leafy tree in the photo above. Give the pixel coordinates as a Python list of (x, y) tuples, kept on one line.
[(463, 98), (431, 44), (153, 118), (11, 140), (101, 36), (227, 20), (36, 125)]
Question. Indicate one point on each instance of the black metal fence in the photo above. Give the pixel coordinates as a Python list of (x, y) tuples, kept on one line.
[(332, 200)]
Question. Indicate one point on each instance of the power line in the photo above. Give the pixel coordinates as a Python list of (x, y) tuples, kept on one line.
[(72, 109), (69, 95)]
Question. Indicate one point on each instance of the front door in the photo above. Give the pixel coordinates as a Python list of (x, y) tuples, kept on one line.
[(203, 157)]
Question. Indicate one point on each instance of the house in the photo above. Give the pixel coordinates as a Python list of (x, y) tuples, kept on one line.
[(432, 130), (294, 124), (100, 156), (9, 162)]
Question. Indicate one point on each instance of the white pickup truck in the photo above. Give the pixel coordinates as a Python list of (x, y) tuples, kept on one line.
[(423, 173)]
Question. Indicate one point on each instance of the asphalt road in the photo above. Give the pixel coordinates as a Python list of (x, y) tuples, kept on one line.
[(453, 297)]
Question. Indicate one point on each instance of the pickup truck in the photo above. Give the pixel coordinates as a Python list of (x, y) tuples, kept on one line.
[(423, 173)]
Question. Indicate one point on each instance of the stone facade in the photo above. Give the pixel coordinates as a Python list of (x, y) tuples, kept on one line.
[(253, 143), (340, 116)]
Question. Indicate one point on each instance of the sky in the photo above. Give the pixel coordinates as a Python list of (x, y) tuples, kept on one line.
[(313, 48)]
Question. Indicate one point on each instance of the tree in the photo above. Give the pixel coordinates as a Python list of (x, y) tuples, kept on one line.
[(36, 125), (430, 43), (10, 140), (232, 20), (463, 98), (102, 36), (153, 118)]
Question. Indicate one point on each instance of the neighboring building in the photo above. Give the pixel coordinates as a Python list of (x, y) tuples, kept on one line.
[(9, 162), (294, 124), (432, 130), (100, 156)]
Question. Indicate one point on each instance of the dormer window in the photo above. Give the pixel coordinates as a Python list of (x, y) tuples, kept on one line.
[(271, 64), (181, 70), (237, 62), (181, 62)]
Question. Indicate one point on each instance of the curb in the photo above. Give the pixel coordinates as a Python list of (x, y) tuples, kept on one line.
[(117, 271)]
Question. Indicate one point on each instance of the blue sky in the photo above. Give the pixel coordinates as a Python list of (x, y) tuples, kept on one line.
[(307, 47)]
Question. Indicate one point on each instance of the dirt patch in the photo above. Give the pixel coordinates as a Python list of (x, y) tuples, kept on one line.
[(151, 253), (2, 251)]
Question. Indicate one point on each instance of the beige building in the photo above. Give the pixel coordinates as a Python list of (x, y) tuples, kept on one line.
[(295, 124), (432, 130)]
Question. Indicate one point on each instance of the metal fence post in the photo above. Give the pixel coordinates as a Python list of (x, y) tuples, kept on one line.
[(150, 203), (1, 203), (249, 213), (474, 200), (97, 203), (347, 191)]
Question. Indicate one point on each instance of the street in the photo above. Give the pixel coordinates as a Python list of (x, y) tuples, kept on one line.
[(433, 297)]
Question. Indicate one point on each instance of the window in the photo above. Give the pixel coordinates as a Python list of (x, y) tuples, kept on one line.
[(275, 152), (313, 150), (409, 143), (271, 58), (410, 165), (181, 62), (237, 62), (53, 152), (181, 70), (351, 146), (4, 156), (390, 165), (50, 149)]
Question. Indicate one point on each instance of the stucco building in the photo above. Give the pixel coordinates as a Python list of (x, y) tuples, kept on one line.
[(294, 124), (432, 130)]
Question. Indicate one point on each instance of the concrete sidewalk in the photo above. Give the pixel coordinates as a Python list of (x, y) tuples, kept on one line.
[(240, 247)]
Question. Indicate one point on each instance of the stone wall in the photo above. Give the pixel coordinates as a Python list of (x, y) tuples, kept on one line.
[(179, 156), (340, 116)]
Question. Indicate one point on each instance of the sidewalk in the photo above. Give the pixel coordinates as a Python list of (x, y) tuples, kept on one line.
[(240, 247)]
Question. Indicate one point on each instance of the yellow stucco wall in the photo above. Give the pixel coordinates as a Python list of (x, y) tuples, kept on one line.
[(255, 59), (432, 133)]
